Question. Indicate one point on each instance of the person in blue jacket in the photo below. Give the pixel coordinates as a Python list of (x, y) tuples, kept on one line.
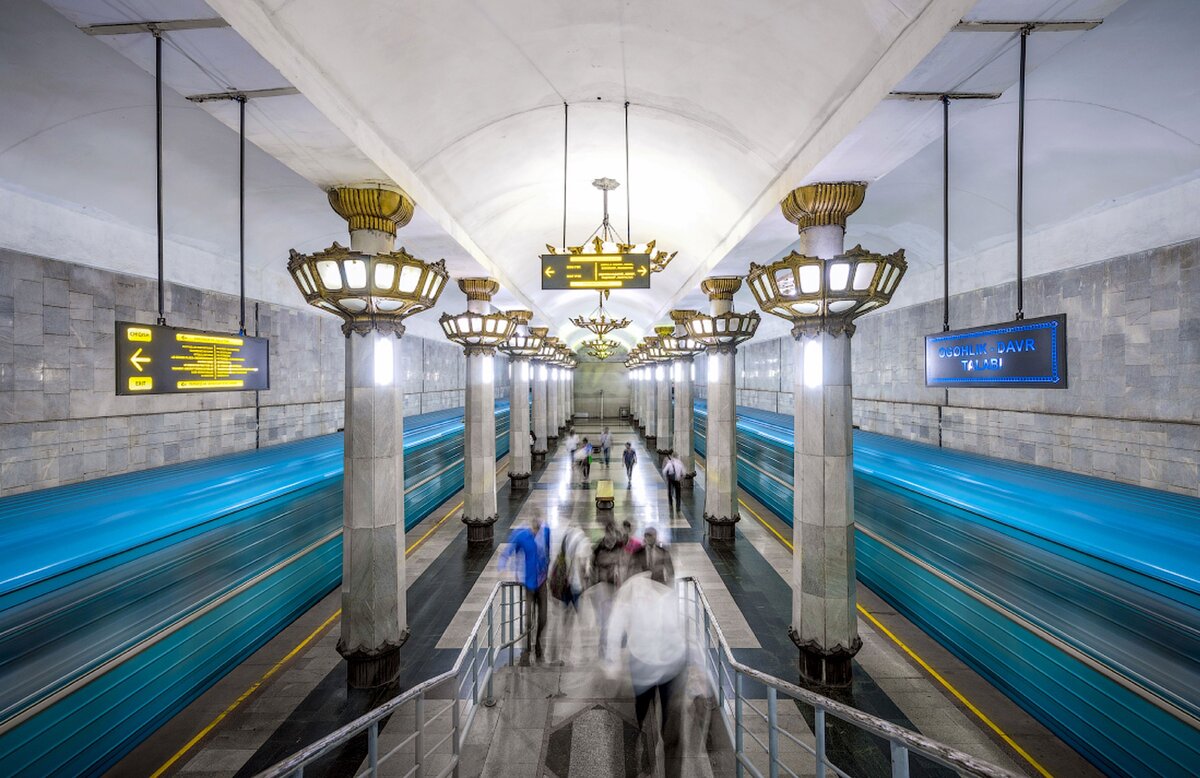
[(532, 544)]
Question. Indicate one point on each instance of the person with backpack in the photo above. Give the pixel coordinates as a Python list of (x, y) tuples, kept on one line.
[(532, 545), (608, 569), (629, 456)]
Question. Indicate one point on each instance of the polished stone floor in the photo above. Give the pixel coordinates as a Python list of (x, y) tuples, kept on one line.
[(560, 717)]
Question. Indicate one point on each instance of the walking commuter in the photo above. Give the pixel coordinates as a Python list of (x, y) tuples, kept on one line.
[(584, 457), (605, 445), (608, 568), (632, 543), (673, 472), (645, 619), (572, 444), (653, 558), (532, 544), (630, 458)]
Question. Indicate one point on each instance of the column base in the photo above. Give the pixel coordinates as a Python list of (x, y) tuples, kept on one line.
[(518, 480), (662, 452), (831, 667), (689, 480), (480, 530), (651, 441), (370, 668), (720, 528), (551, 440), (539, 457)]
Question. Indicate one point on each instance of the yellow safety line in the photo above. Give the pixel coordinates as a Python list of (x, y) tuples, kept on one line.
[(278, 665), (246, 694), (925, 665)]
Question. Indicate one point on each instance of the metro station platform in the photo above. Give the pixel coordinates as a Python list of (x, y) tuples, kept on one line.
[(560, 717)]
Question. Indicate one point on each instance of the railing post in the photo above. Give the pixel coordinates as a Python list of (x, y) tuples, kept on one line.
[(512, 625), (373, 747), (491, 655), (899, 760), (455, 741), (474, 669), (419, 744), (773, 731), (738, 738), (819, 731)]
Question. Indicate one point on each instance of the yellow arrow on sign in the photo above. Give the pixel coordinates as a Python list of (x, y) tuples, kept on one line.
[(549, 272), (138, 360), (641, 271)]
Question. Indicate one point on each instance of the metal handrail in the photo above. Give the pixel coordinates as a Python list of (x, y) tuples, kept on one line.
[(512, 598), (900, 740)]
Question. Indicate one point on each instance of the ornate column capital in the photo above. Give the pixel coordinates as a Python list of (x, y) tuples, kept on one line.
[(372, 207), (822, 204), (721, 287), (480, 289)]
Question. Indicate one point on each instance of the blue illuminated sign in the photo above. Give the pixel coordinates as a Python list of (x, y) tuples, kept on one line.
[(1031, 354)]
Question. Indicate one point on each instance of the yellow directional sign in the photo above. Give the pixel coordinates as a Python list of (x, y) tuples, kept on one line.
[(595, 271), (153, 359)]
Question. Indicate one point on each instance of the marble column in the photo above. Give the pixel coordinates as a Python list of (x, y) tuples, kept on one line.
[(650, 407), (552, 420), (538, 371), (824, 618), (479, 445), (662, 410), (520, 459), (374, 622), (635, 397), (683, 441)]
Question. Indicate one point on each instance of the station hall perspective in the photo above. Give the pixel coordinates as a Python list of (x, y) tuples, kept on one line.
[(610, 388)]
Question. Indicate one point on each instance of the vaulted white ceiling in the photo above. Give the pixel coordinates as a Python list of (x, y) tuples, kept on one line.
[(731, 106)]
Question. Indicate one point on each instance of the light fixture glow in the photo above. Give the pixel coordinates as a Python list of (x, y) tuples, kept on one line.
[(384, 360), (658, 373), (813, 364), (489, 368)]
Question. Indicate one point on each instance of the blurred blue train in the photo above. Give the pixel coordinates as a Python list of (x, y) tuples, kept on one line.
[(122, 599), (1078, 597)]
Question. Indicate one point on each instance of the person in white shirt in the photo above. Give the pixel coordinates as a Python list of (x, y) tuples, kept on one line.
[(572, 444), (673, 472), (605, 444)]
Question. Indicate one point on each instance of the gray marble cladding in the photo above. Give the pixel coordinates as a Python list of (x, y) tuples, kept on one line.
[(1131, 413), (61, 421)]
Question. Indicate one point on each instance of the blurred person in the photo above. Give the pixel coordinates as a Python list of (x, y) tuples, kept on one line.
[(673, 472), (572, 444), (653, 558), (632, 543), (608, 567), (645, 619), (605, 445), (584, 457), (532, 544), (629, 456)]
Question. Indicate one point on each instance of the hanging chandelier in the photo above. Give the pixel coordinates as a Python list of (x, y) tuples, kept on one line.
[(606, 241), (598, 321)]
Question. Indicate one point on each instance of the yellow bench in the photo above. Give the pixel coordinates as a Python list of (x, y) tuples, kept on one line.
[(604, 495)]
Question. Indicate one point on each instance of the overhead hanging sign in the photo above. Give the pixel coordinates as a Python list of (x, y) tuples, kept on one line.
[(595, 271), (1031, 353), (154, 359)]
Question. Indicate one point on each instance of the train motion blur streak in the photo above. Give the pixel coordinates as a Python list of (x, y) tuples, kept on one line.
[(124, 598), (1078, 597)]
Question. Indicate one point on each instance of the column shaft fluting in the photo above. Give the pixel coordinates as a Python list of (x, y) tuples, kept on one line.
[(538, 371), (662, 410), (520, 460), (683, 440), (374, 613), (720, 466), (552, 419), (479, 446)]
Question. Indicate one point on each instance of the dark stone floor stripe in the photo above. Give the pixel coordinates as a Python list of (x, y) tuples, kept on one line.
[(433, 600)]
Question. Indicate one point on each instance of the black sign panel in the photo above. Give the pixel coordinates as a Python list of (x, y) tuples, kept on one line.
[(1028, 354), (595, 271), (153, 359)]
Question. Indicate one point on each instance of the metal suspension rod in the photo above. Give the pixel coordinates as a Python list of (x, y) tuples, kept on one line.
[(242, 211), (158, 146), (628, 209), (566, 136), (1021, 180), (945, 213)]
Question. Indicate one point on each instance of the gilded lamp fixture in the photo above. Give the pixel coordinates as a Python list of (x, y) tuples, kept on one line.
[(476, 330), (374, 288), (605, 241), (598, 321), (825, 293), (525, 341), (674, 338), (723, 329)]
